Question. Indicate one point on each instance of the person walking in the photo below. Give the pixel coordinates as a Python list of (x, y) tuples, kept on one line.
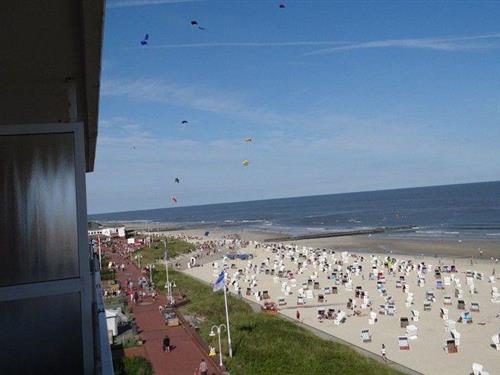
[(297, 314), (166, 344), (203, 367), (383, 352)]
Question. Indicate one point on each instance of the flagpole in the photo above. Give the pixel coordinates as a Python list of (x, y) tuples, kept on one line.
[(227, 322)]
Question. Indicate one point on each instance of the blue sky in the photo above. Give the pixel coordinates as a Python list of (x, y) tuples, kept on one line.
[(338, 96)]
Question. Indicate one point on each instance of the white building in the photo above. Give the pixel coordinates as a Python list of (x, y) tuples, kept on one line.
[(108, 232)]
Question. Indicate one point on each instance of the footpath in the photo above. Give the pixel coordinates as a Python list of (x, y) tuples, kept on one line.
[(187, 351)]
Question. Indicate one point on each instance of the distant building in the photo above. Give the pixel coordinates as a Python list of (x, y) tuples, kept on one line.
[(108, 232)]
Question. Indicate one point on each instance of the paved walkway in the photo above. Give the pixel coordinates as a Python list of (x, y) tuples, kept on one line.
[(187, 352)]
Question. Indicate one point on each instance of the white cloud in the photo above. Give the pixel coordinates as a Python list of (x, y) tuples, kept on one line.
[(449, 44), (136, 3), (245, 44)]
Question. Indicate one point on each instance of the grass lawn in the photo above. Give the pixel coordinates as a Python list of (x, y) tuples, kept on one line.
[(151, 254), (264, 344)]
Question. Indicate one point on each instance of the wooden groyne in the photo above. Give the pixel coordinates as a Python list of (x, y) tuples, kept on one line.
[(354, 232)]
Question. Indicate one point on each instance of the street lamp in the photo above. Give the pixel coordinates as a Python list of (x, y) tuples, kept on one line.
[(139, 257), (217, 329)]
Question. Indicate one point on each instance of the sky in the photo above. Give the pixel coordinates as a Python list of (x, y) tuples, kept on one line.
[(337, 96)]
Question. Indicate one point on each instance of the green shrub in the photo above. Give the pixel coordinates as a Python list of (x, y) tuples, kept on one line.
[(133, 366)]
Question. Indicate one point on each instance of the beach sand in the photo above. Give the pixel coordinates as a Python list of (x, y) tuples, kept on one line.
[(426, 354)]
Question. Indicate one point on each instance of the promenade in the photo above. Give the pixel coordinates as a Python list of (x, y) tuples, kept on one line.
[(187, 352)]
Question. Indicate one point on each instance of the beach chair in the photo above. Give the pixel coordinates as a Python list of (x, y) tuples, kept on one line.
[(300, 300), (451, 346), (341, 318), (366, 335), (427, 306), (429, 296), (444, 313), (404, 322), (450, 325), (456, 336), (495, 341), (327, 290), (403, 343), (265, 295), (316, 285), (321, 298), (477, 369), (447, 300), (416, 315), (335, 290), (439, 284), (391, 310), (373, 318), (281, 301), (309, 294), (320, 314), (466, 317), (411, 332), (474, 306), (461, 304)]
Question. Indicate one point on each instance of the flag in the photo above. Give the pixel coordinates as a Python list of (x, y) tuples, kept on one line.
[(219, 283), (165, 256)]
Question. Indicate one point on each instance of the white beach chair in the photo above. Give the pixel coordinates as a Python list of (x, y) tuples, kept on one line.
[(341, 317), (373, 318), (411, 332), (403, 343), (456, 336), (444, 313), (416, 315), (477, 369), (450, 325), (495, 340), (366, 335), (309, 294)]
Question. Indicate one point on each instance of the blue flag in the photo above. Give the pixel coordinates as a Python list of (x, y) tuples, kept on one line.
[(219, 283)]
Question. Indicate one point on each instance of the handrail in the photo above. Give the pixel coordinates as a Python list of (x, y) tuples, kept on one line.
[(105, 359)]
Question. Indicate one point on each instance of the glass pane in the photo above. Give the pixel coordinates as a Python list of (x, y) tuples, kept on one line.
[(41, 336), (37, 208)]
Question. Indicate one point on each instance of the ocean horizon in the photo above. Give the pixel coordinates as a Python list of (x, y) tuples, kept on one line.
[(449, 211)]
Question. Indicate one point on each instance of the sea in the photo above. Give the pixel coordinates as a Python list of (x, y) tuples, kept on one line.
[(451, 211)]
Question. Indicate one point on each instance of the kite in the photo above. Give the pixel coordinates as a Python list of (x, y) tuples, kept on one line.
[(245, 163), (195, 24), (184, 122), (145, 40), (282, 6), (174, 199), (248, 140), (177, 180)]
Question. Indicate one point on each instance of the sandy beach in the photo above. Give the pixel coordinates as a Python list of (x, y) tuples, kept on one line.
[(426, 353)]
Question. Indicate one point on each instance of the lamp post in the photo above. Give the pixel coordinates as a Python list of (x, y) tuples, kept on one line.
[(139, 257), (167, 284), (218, 329)]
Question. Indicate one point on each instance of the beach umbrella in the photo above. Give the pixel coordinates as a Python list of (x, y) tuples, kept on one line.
[(145, 40), (245, 163)]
